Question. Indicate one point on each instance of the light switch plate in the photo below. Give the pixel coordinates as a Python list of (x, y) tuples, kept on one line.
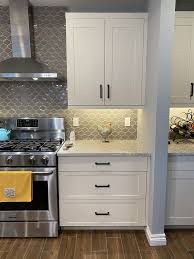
[(127, 122), (76, 122)]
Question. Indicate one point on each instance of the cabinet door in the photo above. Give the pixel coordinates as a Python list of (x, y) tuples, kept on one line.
[(183, 55), (124, 61), (180, 193), (85, 61)]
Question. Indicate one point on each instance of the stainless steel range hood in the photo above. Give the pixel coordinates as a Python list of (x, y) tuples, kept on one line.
[(22, 66)]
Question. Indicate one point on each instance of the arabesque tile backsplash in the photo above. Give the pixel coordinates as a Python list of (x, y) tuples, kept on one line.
[(49, 99), (90, 119)]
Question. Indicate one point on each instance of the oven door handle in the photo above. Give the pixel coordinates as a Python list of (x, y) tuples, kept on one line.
[(43, 173)]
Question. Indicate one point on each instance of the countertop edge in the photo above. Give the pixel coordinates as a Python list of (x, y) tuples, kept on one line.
[(102, 154), (181, 154)]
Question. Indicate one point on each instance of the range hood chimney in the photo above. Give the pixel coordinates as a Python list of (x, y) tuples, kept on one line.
[(22, 66)]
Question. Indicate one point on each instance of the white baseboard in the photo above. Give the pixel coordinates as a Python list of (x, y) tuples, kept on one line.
[(155, 239)]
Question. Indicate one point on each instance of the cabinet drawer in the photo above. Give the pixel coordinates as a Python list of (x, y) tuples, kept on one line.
[(102, 213), (101, 184), (185, 163), (101, 163)]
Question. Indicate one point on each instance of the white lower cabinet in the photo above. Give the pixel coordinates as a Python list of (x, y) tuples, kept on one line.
[(103, 163), (100, 184), (102, 212), (104, 195), (180, 191)]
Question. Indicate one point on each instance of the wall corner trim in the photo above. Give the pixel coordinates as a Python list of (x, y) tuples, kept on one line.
[(155, 239)]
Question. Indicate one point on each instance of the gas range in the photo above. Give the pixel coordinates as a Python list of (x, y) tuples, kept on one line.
[(29, 152), (33, 142), (30, 145), (33, 146)]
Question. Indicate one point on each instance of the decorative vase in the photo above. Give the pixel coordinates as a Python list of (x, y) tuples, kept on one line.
[(105, 131)]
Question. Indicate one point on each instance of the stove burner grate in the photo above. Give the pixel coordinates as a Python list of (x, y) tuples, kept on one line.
[(30, 145)]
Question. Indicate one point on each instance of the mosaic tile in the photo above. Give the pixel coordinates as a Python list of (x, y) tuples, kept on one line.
[(49, 99), (91, 118)]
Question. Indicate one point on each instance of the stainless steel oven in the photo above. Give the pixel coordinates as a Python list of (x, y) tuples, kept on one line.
[(33, 146), (41, 214)]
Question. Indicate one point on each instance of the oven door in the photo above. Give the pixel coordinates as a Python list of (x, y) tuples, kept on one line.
[(44, 205)]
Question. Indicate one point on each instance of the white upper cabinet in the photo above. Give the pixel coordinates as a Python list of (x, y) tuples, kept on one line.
[(183, 60), (124, 61), (85, 61), (106, 55)]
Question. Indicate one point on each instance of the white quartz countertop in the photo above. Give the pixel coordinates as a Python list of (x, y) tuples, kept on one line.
[(97, 147), (181, 149)]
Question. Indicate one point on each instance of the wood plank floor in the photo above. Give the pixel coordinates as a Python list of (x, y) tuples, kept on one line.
[(99, 245)]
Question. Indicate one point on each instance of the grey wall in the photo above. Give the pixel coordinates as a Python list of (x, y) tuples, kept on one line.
[(106, 5), (159, 64), (93, 5)]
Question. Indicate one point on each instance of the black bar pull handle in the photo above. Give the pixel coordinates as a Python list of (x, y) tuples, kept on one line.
[(191, 94), (102, 214), (108, 91), (101, 92), (99, 163), (102, 186)]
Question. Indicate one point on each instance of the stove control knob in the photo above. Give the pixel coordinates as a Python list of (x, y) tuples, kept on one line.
[(9, 160), (32, 160), (45, 160)]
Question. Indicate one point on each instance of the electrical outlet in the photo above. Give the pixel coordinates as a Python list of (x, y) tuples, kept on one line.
[(127, 122), (76, 122)]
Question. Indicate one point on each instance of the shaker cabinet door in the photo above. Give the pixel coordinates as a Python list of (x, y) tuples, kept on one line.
[(124, 61), (180, 192), (183, 61), (85, 61), (106, 56)]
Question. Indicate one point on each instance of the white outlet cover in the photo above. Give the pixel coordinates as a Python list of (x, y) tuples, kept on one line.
[(127, 122), (76, 122)]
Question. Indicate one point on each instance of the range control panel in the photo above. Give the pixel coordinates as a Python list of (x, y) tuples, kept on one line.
[(27, 160), (27, 123)]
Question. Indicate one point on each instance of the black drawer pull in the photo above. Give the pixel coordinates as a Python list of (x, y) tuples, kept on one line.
[(102, 186), (191, 93), (98, 163), (108, 91), (102, 214), (101, 92)]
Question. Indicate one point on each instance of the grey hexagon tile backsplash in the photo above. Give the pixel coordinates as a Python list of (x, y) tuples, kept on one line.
[(90, 119), (49, 99)]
